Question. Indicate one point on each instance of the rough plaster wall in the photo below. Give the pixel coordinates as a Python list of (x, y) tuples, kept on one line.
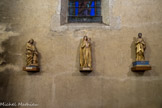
[(59, 84)]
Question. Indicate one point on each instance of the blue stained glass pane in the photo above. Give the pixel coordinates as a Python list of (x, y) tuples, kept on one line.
[(98, 12), (71, 3), (93, 4), (92, 9), (70, 11), (76, 8), (98, 4)]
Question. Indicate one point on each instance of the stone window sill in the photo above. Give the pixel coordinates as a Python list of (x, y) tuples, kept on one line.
[(85, 26)]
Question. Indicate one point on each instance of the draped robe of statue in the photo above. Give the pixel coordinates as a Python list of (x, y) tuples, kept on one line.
[(140, 49), (85, 54), (31, 54)]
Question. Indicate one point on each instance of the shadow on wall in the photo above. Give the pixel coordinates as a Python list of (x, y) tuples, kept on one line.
[(9, 47), (7, 56), (4, 83), (130, 73), (7, 10), (148, 56), (9, 59), (77, 61)]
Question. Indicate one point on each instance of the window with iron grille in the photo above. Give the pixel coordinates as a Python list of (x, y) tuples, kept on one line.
[(84, 11)]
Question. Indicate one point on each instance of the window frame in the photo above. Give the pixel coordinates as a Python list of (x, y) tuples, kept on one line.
[(59, 20)]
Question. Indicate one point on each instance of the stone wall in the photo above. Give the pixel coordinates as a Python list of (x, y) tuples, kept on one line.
[(59, 84)]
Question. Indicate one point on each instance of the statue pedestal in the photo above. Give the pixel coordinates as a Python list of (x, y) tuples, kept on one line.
[(86, 70), (141, 66), (31, 68)]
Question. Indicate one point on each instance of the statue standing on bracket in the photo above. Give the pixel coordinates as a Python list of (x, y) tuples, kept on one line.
[(31, 53), (140, 65), (31, 57), (140, 48), (85, 54)]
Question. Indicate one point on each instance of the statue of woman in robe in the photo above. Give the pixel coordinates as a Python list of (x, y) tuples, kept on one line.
[(85, 54), (140, 48), (31, 54)]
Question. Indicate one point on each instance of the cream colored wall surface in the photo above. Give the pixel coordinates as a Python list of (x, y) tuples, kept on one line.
[(59, 84)]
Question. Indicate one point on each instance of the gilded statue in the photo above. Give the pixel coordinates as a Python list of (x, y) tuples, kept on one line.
[(140, 65), (85, 54), (140, 48), (31, 54)]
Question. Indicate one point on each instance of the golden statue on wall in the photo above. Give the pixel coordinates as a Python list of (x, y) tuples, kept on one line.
[(31, 56), (85, 54), (31, 53), (140, 48), (140, 64)]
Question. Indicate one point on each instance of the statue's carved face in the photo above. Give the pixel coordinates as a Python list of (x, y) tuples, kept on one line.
[(85, 38), (140, 35), (31, 41)]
